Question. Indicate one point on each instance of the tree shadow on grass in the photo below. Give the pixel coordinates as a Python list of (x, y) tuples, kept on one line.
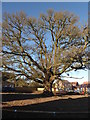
[(79, 104), (59, 108), (20, 96)]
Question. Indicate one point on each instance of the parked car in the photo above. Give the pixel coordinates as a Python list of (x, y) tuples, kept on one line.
[(60, 92)]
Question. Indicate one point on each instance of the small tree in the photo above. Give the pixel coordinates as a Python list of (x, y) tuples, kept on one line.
[(45, 48)]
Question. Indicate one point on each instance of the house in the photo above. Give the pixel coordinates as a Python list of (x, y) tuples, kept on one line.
[(74, 84), (67, 85), (63, 85), (85, 87), (76, 87)]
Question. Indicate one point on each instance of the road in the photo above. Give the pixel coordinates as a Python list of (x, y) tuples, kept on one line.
[(39, 106)]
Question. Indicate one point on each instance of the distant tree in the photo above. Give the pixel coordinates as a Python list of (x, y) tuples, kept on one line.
[(8, 76), (21, 83), (35, 84), (45, 48)]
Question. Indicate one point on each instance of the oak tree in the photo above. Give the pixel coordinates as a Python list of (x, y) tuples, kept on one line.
[(42, 49)]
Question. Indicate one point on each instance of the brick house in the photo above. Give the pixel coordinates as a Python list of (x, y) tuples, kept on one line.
[(75, 86), (85, 87)]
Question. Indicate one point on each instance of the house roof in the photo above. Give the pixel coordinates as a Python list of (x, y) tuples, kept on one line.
[(66, 81), (86, 82), (73, 82)]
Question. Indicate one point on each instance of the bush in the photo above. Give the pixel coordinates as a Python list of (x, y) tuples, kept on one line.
[(25, 89)]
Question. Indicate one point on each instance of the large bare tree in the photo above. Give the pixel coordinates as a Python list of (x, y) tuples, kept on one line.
[(43, 49)]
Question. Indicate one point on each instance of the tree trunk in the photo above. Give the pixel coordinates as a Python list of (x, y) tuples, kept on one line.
[(48, 88)]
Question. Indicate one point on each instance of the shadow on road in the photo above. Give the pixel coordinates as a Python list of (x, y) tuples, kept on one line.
[(63, 108)]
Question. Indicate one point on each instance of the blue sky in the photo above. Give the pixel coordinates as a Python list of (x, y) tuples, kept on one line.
[(35, 8)]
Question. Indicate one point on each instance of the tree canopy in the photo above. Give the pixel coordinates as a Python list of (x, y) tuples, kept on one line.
[(43, 49)]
